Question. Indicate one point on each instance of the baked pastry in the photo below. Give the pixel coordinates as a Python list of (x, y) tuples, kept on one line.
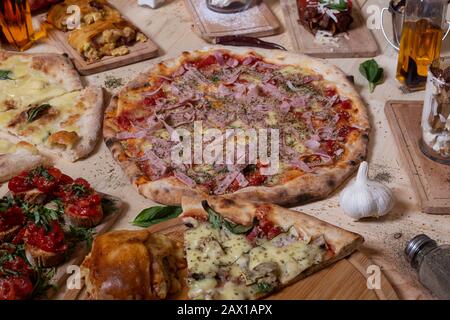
[(133, 265), (102, 30)]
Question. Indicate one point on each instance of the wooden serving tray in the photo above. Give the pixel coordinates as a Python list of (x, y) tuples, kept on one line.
[(257, 21), (431, 180), (345, 279), (81, 250), (359, 43), (138, 52)]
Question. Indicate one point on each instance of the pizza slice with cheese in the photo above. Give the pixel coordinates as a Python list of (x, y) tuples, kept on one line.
[(244, 250), (43, 102), (17, 157)]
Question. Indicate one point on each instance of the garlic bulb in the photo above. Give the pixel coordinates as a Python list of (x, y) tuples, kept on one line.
[(366, 198)]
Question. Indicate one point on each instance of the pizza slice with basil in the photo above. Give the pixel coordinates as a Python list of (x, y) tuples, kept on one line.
[(43, 102), (242, 250)]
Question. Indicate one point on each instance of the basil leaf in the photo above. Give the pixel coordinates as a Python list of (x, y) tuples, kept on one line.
[(335, 5), (156, 214), (213, 217), (372, 72), (237, 228), (264, 287), (217, 221), (35, 112), (4, 75)]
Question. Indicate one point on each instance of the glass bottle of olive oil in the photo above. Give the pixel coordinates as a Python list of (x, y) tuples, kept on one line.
[(421, 41)]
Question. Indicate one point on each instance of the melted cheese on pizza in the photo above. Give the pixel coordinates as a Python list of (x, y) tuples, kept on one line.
[(25, 86), (36, 108), (224, 265)]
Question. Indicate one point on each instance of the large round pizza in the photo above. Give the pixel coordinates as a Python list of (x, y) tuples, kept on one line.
[(263, 125)]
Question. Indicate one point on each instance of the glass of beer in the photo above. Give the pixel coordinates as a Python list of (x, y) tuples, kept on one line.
[(16, 24)]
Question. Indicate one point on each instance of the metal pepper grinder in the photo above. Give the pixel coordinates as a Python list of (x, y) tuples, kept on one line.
[(432, 263)]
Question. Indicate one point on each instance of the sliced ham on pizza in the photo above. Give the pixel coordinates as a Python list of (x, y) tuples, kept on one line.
[(313, 113)]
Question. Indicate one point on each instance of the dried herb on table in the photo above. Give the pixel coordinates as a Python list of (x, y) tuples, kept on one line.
[(112, 82)]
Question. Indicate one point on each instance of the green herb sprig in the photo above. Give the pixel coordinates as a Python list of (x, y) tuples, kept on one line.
[(79, 234)]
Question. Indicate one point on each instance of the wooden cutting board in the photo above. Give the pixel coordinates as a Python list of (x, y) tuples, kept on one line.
[(110, 217), (431, 180), (345, 279), (257, 21), (138, 52), (358, 43)]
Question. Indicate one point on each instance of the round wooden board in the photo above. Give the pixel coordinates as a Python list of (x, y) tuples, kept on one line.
[(343, 280)]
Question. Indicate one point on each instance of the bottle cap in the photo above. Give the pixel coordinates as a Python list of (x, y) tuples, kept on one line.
[(415, 245)]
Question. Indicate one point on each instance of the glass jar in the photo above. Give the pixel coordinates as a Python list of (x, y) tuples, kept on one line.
[(229, 6), (435, 122), (421, 40), (432, 262)]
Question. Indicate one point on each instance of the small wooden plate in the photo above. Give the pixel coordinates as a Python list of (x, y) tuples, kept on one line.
[(431, 180), (77, 257), (358, 44), (257, 21), (345, 279), (138, 52)]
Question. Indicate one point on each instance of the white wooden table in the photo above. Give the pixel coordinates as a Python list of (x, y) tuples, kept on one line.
[(171, 28)]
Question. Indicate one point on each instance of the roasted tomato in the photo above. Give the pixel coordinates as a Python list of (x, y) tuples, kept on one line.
[(45, 179), (254, 176), (11, 217), (269, 229), (20, 183), (50, 239), (79, 198), (16, 265), (206, 62), (15, 287), (42, 178)]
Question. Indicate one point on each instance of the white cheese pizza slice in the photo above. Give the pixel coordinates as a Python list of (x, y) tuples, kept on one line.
[(42, 101)]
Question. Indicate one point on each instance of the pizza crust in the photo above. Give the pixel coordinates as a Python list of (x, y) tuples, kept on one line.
[(24, 157), (303, 189), (90, 123)]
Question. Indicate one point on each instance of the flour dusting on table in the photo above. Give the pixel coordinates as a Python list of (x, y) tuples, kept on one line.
[(240, 20)]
